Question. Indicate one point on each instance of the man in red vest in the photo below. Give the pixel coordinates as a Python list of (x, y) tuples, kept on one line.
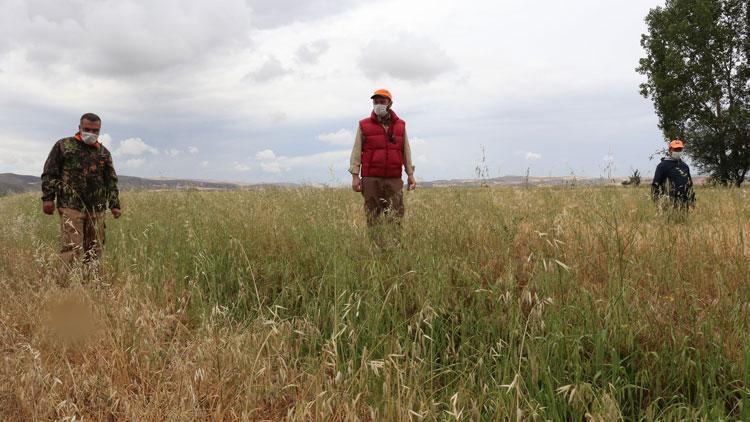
[(381, 152)]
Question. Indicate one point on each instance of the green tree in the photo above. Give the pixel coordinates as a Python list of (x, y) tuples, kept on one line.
[(699, 80)]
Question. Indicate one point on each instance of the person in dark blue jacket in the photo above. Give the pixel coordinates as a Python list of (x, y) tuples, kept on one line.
[(672, 179)]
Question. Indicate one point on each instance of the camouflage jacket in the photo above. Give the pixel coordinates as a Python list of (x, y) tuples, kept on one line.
[(80, 176)]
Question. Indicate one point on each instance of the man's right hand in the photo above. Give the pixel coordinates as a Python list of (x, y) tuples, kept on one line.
[(356, 183), (48, 207)]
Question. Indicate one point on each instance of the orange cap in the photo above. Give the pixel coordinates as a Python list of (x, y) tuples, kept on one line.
[(382, 93), (676, 144)]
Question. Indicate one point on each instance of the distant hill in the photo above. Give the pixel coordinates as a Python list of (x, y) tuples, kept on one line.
[(514, 181), (541, 181), (16, 183)]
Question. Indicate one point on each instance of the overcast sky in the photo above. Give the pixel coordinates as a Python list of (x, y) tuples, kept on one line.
[(271, 90)]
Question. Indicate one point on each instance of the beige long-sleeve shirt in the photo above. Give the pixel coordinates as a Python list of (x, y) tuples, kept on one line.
[(355, 162)]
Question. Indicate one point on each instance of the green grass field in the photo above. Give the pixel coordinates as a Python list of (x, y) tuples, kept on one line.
[(496, 304)]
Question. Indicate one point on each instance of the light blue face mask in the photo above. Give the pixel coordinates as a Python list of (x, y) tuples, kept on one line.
[(676, 155)]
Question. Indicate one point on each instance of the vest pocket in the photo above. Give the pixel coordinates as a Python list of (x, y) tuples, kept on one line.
[(378, 158), (366, 158)]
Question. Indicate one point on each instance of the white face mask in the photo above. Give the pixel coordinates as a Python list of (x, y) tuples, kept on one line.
[(89, 138), (676, 155), (380, 109)]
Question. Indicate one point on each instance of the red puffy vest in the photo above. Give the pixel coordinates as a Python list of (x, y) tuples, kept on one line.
[(382, 152)]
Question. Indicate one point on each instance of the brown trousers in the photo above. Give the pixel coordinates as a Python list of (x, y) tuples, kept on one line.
[(383, 196), (81, 234)]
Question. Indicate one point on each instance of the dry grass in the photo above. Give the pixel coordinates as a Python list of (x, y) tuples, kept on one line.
[(498, 304)]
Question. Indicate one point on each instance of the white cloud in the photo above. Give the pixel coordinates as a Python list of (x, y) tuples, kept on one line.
[(105, 140), (342, 137), (23, 156), (135, 146), (241, 166), (273, 167), (421, 159), (270, 70), (417, 142), (277, 117), (265, 155), (204, 164), (310, 53), (408, 57), (533, 156), (135, 162), (172, 152), (322, 160), (193, 150), (134, 37), (528, 155), (275, 13)]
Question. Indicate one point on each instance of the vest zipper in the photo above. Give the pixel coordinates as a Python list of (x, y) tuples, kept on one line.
[(387, 141)]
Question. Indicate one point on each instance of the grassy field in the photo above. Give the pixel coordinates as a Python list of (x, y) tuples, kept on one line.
[(498, 304)]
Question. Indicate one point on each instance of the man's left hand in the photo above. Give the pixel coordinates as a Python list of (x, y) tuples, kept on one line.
[(116, 213), (412, 182)]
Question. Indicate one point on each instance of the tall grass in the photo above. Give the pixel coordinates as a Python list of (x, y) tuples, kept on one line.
[(491, 304)]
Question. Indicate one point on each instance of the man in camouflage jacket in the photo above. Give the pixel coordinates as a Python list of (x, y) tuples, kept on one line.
[(79, 174)]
